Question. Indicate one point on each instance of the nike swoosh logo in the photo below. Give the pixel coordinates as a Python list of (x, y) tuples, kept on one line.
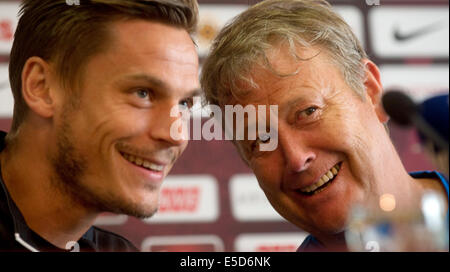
[(403, 37)]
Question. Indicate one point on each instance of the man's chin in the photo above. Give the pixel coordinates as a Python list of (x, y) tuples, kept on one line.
[(144, 212), (327, 226), (143, 215), (138, 210)]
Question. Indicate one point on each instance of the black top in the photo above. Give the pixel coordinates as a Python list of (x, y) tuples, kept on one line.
[(15, 235)]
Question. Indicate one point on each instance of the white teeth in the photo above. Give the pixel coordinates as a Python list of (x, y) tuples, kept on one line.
[(334, 171), (156, 167), (330, 175), (324, 179), (144, 163), (321, 182), (138, 161)]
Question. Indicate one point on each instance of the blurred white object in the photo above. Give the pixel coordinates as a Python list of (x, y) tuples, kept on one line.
[(423, 227)]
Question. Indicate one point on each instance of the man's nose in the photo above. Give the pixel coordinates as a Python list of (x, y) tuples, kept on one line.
[(169, 125), (297, 155)]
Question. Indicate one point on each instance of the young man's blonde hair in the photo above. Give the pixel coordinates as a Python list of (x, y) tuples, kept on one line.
[(67, 35), (245, 41)]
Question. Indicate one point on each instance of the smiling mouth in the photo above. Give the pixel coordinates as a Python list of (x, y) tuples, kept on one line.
[(143, 163), (322, 183)]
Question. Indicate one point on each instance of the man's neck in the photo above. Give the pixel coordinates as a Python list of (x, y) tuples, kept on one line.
[(46, 209)]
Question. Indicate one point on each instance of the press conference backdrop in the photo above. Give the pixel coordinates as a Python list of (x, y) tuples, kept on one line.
[(211, 201)]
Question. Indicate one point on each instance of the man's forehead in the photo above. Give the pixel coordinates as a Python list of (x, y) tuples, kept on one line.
[(153, 39), (138, 61), (285, 58), (269, 87)]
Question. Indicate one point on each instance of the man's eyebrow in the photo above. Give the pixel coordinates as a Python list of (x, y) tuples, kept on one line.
[(158, 83), (301, 98), (149, 79), (195, 92), (293, 102)]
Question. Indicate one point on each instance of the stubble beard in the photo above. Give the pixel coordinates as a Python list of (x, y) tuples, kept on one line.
[(70, 168)]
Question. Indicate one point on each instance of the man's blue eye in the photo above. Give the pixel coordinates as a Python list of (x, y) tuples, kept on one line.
[(142, 93), (305, 113), (187, 103), (310, 111)]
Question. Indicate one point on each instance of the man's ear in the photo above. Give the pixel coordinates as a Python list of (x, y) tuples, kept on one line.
[(374, 89), (36, 89)]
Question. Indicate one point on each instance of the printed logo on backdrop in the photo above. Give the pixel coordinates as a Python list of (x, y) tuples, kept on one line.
[(6, 97), (397, 31), (402, 36), (8, 24), (6, 30), (212, 18), (269, 242), (207, 31), (418, 81), (189, 198), (187, 243), (248, 202)]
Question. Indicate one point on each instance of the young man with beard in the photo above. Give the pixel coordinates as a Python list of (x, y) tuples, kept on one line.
[(93, 85)]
